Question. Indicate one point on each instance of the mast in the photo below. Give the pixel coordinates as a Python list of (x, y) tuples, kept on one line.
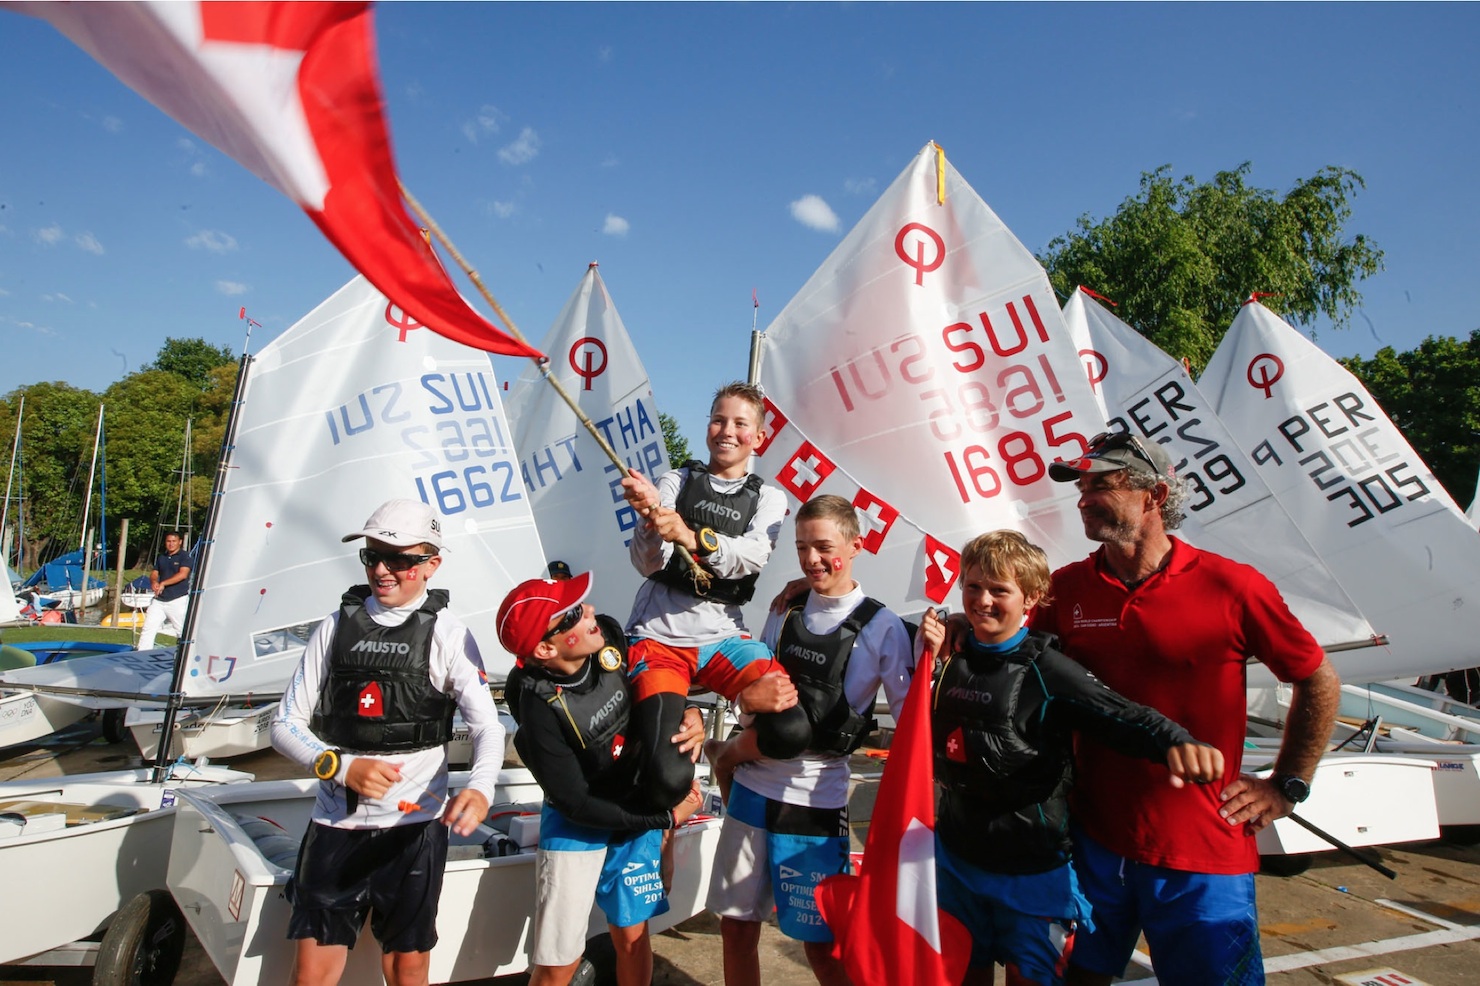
[(176, 699)]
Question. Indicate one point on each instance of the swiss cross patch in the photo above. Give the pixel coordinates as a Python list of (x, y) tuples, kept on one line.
[(942, 566), (617, 743), (370, 703), (956, 746)]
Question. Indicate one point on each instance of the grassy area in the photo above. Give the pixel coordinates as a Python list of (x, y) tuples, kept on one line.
[(71, 631)]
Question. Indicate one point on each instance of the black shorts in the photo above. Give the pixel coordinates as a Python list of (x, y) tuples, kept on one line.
[(394, 874)]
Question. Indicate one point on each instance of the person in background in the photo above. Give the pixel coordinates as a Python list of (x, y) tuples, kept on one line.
[(369, 710), (169, 580), (1173, 627), (559, 570)]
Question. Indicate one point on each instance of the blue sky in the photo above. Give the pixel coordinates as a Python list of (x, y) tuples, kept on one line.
[(698, 151)]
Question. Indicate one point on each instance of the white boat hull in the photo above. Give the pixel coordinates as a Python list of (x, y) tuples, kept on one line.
[(232, 894), (76, 876), (25, 718)]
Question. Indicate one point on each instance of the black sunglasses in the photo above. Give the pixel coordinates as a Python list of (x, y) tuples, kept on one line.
[(393, 561), (1123, 439), (568, 620)]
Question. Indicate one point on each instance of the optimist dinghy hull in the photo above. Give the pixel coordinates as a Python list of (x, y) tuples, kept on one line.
[(230, 885)]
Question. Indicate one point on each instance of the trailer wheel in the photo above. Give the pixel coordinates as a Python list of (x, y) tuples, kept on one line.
[(1292, 865), (143, 944), (599, 965), (114, 731)]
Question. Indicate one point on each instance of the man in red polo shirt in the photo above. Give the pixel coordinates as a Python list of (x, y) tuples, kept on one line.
[(1170, 626)]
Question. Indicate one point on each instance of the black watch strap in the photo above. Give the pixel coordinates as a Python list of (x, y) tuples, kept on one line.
[(1294, 789)]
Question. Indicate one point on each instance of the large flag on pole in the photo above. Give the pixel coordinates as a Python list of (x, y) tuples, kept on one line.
[(925, 368), (887, 924), (1229, 509), (291, 91), (574, 488), (1366, 501)]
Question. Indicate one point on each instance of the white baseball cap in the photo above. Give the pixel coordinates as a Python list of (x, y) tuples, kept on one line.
[(401, 524)]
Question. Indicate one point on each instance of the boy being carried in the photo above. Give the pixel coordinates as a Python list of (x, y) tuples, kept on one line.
[(684, 633), (786, 827), (1005, 707), (572, 703)]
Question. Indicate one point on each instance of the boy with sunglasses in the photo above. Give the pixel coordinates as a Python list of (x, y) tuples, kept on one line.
[(570, 696), (370, 712)]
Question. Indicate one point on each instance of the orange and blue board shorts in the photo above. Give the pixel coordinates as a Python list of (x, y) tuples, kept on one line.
[(724, 667)]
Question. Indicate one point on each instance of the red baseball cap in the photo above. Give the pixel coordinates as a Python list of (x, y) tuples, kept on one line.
[(525, 614)]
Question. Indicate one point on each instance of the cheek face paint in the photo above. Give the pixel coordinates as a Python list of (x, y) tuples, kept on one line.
[(410, 575), (572, 639), (837, 564)]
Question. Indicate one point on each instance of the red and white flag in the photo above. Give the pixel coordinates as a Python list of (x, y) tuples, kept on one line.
[(292, 92), (371, 702), (887, 924)]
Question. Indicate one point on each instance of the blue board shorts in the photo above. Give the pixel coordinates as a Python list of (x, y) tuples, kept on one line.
[(773, 854), (577, 865), (1202, 928), (1028, 920)]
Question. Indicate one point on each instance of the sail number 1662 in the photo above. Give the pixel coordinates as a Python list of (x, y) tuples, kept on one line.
[(978, 470)]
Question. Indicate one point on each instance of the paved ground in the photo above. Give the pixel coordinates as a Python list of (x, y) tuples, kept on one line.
[(1327, 925)]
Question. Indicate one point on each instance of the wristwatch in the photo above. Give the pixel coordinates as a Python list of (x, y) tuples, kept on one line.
[(1294, 789), (327, 765), (707, 540)]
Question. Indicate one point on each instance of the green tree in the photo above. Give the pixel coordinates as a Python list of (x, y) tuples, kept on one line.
[(193, 359), (145, 420), (1432, 393), (1180, 256), (56, 449), (678, 446)]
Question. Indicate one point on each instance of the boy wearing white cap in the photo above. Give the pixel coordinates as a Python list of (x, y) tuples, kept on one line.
[(370, 711), (572, 701)]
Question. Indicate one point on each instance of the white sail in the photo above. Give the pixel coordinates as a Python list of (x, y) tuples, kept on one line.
[(353, 405), (137, 672), (573, 485), (927, 361), (1473, 514), (1230, 509), (1358, 491)]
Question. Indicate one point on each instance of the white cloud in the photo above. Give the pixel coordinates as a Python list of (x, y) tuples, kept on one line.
[(88, 242), (610, 161), (199, 169), (814, 213), (112, 124), (57, 297), (502, 209), (231, 287), (49, 236), (604, 54), (523, 150), (488, 121), (860, 186), (615, 225), (213, 240), (4, 293)]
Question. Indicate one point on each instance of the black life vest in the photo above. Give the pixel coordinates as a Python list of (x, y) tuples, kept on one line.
[(593, 712), (700, 505), (378, 696), (983, 708), (521, 678), (817, 664)]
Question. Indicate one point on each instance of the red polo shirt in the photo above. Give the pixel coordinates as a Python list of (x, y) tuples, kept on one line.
[(1178, 643)]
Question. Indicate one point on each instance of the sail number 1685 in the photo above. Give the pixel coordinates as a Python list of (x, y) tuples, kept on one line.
[(1016, 455)]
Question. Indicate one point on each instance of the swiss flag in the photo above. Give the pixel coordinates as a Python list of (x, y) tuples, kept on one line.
[(617, 746), (942, 568), (805, 471), (292, 92), (774, 422), (887, 925), (877, 518), (370, 703)]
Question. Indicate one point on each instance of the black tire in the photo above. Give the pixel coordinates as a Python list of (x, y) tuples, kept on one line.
[(599, 965), (1292, 865), (114, 731), (143, 944)]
